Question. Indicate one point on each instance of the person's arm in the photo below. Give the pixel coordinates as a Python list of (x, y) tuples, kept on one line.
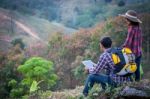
[(100, 65), (129, 38)]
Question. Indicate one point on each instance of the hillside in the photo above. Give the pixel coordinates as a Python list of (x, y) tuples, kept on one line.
[(29, 28), (75, 13), (57, 36)]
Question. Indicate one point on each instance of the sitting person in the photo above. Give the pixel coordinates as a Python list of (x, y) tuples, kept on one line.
[(105, 62)]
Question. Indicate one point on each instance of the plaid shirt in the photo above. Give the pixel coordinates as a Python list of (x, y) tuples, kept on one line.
[(106, 62), (134, 40)]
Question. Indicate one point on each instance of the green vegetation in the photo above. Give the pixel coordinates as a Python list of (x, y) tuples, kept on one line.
[(82, 14), (66, 52), (34, 69), (37, 74), (27, 79), (8, 70), (136, 88), (84, 45), (18, 41)]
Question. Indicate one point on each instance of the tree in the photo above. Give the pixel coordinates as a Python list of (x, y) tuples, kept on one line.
[(9, 61), (18, 41), (37, 73), (38, 69), (121, 3)]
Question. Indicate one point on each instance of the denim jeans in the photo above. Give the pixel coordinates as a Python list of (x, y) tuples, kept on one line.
[(97, 78), (137, 72)]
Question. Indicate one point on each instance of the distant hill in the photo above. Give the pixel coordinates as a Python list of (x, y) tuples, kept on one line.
[(75, 13), (29, 28)]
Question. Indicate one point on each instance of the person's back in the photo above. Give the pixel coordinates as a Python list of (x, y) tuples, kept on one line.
[(105, 62), (134, 38), (109, 66)]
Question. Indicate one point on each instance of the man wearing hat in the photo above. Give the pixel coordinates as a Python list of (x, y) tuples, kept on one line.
[(134, 38)]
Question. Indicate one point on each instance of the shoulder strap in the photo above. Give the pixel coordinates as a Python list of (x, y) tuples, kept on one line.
[(113, 50)]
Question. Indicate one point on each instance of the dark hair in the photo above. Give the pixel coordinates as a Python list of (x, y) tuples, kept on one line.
[(133, 23), (106, 42)]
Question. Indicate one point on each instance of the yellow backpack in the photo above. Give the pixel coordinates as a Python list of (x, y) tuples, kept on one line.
[(124, 61)]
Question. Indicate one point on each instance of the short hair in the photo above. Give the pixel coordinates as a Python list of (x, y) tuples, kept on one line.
[(106, 42)]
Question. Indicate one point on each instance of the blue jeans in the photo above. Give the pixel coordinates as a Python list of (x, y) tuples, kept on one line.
[(97, 78), (137, 72)]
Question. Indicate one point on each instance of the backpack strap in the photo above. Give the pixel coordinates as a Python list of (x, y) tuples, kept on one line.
[(113, 50), (110, 50)]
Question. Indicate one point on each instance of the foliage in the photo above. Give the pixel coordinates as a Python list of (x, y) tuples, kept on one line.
[(121, 3), (45, 94), (83, 13), (96, 92), (16, 55), (34, 86), (37, 69), (67, 52), (18, 41), (39, 95), (37, 73), (6, 74), (146, 39), (37, 49), (9, 62), (67, 94), (82, 21)]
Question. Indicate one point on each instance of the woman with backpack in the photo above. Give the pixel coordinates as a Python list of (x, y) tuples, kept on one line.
[(134, 38)]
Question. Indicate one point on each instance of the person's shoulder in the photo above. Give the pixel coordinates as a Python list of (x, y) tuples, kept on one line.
[(105, 54)]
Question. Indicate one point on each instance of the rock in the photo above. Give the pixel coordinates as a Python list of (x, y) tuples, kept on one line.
[(128, 91), (137, 90)]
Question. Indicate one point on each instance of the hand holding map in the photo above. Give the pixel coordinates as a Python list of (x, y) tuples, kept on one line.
[(88, 63)]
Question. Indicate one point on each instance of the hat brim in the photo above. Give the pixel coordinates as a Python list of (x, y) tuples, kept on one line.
[(131, 18)]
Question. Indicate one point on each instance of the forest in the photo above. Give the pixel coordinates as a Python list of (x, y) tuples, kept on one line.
[(43, 42)]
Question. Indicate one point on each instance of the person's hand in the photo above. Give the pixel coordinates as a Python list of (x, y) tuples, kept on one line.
[(86, 70)]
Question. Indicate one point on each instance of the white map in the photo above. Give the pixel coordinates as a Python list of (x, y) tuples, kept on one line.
[(88, 63)]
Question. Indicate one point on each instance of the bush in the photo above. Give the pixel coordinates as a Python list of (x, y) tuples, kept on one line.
[(9, 62), (38, 73), (7, 73), (121, 3), (18, 41)]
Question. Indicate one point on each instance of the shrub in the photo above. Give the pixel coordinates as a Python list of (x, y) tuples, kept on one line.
[(18, 41), (9, 62), (7, 72), (37, 73), (121, 3), (38, 69)]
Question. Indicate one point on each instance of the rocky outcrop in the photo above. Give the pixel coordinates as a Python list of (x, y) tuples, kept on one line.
[(134, 90), (137, 90)]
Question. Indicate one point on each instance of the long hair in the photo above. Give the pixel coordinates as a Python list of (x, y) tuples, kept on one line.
[(133, 23)]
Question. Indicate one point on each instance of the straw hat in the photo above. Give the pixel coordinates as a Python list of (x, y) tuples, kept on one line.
[(131, 15)]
